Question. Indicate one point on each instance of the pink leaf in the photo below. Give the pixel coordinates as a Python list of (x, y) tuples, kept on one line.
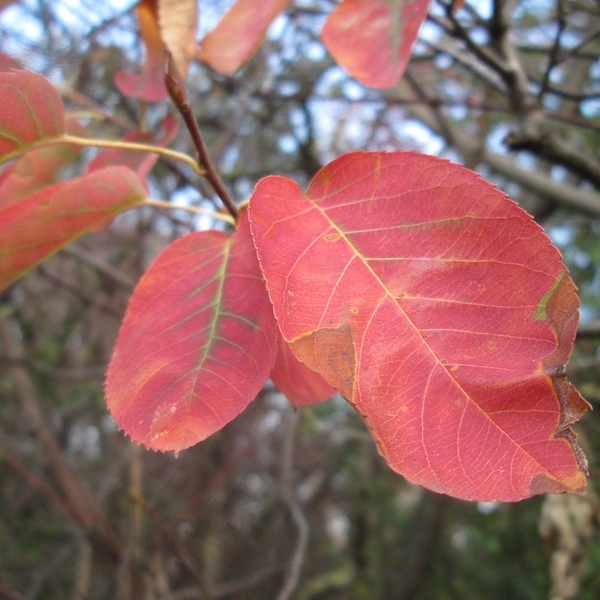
[(197, 343), (239, 34), (40, 224), (149, 85), (32, 111), (37, 168), (373, 40), (439, 309)]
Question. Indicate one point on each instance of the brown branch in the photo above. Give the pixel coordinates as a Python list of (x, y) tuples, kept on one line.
[(534, 133), (554, 56), (176, 89), (574, 120), (443, 124), (582, 200), (452, 27), (545, 143), (480, 68), (536, 181)]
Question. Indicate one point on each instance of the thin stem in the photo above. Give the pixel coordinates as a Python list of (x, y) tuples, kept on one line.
[(121, 145), (192, 209), (176, 89)]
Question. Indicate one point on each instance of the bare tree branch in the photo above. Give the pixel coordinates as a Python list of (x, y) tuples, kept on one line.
[(289, 498)]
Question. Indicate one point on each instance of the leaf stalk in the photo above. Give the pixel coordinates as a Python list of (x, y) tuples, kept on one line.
[(138, 147), (176, 89)]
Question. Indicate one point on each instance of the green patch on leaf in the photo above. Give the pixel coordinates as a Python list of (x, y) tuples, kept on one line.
[(540, 313)]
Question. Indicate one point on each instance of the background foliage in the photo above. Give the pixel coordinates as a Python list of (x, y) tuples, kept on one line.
[(509, 88)]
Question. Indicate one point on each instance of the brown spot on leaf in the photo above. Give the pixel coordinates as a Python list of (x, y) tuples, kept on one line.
[(573, 405), (542, 484), (332, 237), (330, 352)]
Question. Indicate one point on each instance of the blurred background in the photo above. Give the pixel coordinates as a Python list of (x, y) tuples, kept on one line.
[(283, 503)]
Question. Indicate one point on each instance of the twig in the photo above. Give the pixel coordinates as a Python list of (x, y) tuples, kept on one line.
[(554, 56), (289, 498), (176, 89), (191, 209)]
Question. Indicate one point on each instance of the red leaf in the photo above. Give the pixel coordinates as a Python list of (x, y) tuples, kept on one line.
[(300, 385), (32, 111), (38, 225), (239, 34), (439, 309), (373, 40), (149, 85), (197, 343)]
